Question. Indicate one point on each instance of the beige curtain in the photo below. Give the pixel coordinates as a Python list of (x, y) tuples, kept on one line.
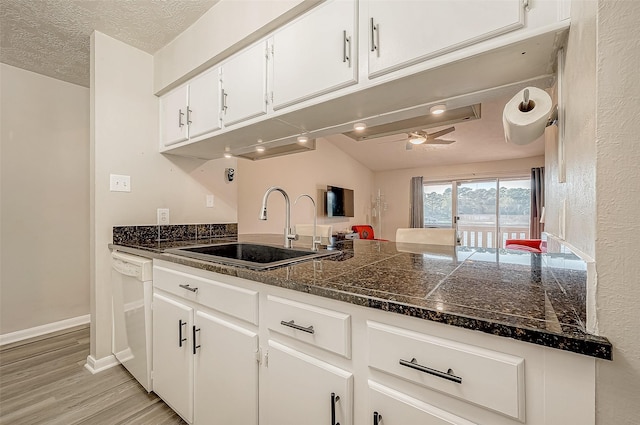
[(416, 218), (537, 202)]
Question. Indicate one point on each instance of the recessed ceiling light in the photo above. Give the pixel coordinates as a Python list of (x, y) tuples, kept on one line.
[(438, 109), (303, 139), (359, 126), (260, 149), (259, 140), (227, 155)]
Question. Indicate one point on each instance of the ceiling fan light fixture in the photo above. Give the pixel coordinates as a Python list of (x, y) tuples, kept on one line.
[(416, 140), (438, 109)]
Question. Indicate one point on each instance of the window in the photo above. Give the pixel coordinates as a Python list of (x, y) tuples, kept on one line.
[(487, 212), (438, 204)]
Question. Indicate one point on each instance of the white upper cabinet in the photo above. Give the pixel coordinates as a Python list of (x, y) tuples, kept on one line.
[(244, 85), (315, 54), (204, 103), (173, 113), (405, 32), (191, 110)]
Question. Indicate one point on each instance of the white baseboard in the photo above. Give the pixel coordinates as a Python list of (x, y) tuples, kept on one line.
[(94, 366), (44, 329)]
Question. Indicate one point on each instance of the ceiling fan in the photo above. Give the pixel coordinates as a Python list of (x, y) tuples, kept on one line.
[(421, 137)]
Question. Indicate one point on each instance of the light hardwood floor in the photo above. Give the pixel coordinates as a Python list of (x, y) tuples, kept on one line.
[(43, 381)]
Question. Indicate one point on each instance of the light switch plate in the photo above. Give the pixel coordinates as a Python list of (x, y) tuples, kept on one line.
[(119, 183), (210, 201)]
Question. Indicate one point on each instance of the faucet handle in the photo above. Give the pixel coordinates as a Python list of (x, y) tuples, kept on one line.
[(293, 236)]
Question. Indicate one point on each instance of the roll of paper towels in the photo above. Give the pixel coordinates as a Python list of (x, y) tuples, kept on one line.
[(523, 125)]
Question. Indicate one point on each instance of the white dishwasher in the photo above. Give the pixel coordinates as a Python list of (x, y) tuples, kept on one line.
[(131, 279)]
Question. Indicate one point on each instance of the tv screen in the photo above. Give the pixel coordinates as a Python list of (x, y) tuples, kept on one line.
[(339, 202)]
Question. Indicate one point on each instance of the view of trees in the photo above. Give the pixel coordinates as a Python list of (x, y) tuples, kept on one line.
[(513, 202)]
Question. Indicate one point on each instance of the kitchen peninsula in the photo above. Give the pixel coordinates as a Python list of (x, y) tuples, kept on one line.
[(379, 329), (537, 298)]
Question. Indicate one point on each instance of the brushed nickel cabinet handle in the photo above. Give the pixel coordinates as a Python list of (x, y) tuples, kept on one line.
[(448, 375), (292, 324), (188, 288)]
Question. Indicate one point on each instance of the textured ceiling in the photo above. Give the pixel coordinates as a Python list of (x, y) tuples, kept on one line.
[(51, 37)]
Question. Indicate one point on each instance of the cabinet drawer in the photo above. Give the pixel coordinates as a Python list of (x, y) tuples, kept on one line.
[(327, 329), (487, 378), (237, 302), (396, 408)]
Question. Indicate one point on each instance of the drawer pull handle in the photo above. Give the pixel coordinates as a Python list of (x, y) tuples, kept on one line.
[(334, 400), (180, 338), (188, 288), (413, 364), (291, 324), (377, 417)]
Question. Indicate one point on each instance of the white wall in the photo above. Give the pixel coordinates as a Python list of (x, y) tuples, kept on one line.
[(394, 186), (226, 28), (308, 172), (45, 200), (602, 156), (124, 140)]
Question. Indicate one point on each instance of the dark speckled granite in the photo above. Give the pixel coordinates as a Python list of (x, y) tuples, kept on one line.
[(536, 298)]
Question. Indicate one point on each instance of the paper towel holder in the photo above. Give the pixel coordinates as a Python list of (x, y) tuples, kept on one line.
[(553, 116), (527, 104)]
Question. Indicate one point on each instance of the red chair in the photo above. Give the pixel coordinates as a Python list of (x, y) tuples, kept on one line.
[(529, 245), (365, 232)]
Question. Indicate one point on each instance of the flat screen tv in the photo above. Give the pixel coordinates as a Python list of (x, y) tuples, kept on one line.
[(339, 202)]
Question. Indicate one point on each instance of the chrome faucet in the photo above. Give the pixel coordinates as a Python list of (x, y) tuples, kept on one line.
[(315, 241), (288, 235)]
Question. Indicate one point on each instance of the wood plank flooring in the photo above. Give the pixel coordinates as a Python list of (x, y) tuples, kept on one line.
[(43, 381)]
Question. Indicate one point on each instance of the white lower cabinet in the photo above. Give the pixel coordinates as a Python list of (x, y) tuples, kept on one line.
[(391, 407), (306, 390), (172, 354), (326, 362), (226, 373), (204, 366)]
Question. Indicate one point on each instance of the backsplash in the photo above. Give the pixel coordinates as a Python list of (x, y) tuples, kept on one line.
[(127, 235)]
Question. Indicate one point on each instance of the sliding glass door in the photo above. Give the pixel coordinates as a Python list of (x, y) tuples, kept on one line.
[(485, 212), (477, 221)]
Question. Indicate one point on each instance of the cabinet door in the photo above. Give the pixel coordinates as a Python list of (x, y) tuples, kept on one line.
[(173, 116), (172, 354), (204, 103), (404, 32), (396, 408), (316, 54), (225, 373), (244, 81), (300, 389)]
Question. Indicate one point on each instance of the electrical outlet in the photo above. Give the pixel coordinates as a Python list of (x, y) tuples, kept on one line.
[(163, 216), (210, 201), (118, 183)]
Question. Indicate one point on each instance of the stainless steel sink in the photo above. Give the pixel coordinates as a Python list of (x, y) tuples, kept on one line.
[(249, 255)]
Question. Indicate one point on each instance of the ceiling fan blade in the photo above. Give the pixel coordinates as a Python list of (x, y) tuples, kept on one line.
[(439, 142), (436, 134)]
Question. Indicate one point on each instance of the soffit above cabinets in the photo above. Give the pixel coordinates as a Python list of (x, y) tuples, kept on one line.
[(421, 122)]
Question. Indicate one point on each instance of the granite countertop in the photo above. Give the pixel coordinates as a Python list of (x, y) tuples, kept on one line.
[(536, 298)]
